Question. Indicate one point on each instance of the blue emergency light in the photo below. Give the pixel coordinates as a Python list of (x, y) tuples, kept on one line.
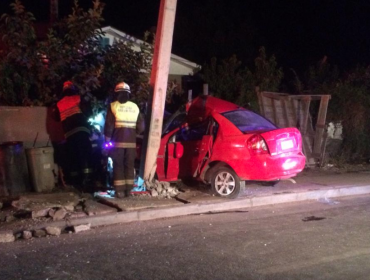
[(108, 145)]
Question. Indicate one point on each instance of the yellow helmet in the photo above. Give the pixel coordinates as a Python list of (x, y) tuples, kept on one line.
[(122, 87)]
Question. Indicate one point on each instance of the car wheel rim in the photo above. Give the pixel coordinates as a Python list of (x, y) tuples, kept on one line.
[(224, 183)]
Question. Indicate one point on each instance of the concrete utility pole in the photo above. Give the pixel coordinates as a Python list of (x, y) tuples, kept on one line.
[(158, 81)]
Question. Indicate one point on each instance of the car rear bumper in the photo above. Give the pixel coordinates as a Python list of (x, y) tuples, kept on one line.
[(267, 168)]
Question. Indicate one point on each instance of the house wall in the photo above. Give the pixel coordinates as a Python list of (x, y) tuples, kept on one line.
[(29, 125), (178, 65)]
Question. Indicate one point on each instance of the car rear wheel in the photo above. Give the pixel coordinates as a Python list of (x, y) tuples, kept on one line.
[(226, 183)]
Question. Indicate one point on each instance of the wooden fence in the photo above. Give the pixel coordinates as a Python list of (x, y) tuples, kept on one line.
[(306, 112)]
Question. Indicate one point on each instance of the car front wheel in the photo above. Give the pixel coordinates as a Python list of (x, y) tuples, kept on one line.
[(226, 183)]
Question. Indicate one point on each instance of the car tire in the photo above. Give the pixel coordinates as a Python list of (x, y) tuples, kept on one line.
[(226, 183)]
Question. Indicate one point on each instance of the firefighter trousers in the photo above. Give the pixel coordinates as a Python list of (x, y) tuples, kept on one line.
[(79, 159), (123, 168)]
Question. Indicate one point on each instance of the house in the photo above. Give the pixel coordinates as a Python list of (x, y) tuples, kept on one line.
[(179, 67)]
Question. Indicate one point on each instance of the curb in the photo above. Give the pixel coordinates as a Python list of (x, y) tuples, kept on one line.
[(206, 207)]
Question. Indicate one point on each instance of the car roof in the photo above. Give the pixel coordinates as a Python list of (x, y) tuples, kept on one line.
[(205, 105)]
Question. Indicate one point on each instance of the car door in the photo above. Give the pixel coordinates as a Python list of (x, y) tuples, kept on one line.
[(195, 140)]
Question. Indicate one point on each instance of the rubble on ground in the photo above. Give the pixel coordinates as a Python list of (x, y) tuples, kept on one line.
[(39, 233), (39, 203), (80, 228), (55, 231), (6, 236), (27, 234), (161, 189)]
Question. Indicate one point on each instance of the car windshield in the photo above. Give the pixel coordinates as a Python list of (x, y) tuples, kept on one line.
[(176, 120), (248, 121)]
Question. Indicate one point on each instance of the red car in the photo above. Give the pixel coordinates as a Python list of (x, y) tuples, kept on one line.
[(224, 145)]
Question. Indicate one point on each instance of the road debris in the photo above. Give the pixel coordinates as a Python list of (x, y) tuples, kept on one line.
[(312, 218), (6, 236), (55, 231), (39, 233), (80, 228), (27, 234), (328, 201), (161, 189)]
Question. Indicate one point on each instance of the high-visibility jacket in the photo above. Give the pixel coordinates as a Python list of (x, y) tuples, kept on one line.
[(73, 120), (122, 123)]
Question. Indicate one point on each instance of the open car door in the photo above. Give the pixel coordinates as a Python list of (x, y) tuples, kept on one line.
[(197, 142)]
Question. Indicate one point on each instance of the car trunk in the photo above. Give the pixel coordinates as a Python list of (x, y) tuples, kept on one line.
[(283, 140)]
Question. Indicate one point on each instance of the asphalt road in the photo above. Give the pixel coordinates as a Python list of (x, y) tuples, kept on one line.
[(306, 240)]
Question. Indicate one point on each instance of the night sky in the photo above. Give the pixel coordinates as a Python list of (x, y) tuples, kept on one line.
[(298, 32)]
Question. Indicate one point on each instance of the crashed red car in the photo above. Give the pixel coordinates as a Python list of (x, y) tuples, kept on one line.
[(224, 145)]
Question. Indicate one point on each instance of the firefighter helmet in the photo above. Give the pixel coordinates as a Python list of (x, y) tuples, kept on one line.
[(68, 85), (122, 87)]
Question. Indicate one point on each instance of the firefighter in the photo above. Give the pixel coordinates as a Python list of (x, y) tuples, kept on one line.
[(123, 122), (73, 112)]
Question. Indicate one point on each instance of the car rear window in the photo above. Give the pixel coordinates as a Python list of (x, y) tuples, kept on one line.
[(248, 121)]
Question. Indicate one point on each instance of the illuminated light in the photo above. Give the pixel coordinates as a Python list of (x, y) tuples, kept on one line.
[(265, 164), (97, 127), (108, 145), (96, 119), (289, 164)]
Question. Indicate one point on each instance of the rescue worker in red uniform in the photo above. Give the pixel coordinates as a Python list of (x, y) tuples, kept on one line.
[(123, 122), (73, 111)]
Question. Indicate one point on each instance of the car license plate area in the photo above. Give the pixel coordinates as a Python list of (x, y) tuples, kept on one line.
[(287, 144)]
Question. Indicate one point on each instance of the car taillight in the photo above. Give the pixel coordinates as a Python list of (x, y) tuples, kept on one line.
[(257, 145)]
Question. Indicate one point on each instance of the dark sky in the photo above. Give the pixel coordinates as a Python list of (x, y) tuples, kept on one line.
[(298, 32)]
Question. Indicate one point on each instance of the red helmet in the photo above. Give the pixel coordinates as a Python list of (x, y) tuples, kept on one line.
[(68, 85)]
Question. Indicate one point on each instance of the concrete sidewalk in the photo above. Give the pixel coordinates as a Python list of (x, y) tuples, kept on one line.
[(311, 184)]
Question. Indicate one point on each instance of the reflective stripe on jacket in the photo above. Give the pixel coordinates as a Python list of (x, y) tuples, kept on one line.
[(126, 114), (69, 106), (121, 124), (73, 120)]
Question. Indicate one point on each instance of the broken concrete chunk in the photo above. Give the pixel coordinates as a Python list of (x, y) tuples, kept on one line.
[(69, 208), (36, 202), (59, 214), (154, 193), (159, 188), (27, 234), (51, 212), (40, 213), (80, 228), (9, 218), (55, 231), (39, 233), (6, 236)]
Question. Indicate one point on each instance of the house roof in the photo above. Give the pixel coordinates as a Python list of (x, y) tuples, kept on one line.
[(119, 35)]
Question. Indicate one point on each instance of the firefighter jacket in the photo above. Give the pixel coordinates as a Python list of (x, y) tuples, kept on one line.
[(71, 115), (122, 123)]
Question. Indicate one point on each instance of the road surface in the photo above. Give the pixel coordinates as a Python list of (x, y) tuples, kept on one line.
[(326, 239)]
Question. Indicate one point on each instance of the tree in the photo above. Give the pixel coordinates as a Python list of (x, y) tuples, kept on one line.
[(231, 81), (32, 71)]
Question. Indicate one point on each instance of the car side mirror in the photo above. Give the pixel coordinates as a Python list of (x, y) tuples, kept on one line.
[(179, 150)]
